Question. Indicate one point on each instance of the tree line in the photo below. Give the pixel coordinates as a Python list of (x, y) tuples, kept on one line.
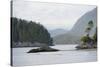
[(29, 31)]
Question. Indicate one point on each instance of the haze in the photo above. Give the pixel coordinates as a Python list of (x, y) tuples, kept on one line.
[(51, 15)]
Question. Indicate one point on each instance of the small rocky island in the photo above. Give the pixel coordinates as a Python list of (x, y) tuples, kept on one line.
[(87, 41), (87, 44), (42, 48)]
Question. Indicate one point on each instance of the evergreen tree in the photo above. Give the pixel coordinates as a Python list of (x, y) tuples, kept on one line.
[(95, 36), (90, 26), (29, 31)]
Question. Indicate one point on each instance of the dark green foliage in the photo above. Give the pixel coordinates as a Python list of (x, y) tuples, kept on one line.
[(29, 31), (89, 27), (85, 39), (15, 34), (95, 36), (90, 24)]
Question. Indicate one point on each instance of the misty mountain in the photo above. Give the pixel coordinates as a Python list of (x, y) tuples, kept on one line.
[(78, 30), (81, 24), (57, 32)]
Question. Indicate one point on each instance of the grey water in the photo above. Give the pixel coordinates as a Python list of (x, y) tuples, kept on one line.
[(67, 54)]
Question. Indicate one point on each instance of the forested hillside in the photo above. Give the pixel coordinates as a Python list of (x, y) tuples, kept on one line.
[(24, 31)]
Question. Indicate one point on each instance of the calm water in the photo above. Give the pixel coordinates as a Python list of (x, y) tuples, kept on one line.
[(68, 54)]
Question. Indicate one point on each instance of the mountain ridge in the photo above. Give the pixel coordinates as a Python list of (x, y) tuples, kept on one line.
[(57, 32), (78, 30)]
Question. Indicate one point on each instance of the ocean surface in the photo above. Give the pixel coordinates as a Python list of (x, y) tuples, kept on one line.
[(67, 54)]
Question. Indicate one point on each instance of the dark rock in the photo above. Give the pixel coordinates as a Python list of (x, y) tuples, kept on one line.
[(81, 47), (42, 50)]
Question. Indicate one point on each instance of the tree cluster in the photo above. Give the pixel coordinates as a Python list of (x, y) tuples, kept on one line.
[(92, 41), (29, 31)]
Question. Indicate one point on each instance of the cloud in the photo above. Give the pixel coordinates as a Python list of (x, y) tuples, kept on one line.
[(51, 15)]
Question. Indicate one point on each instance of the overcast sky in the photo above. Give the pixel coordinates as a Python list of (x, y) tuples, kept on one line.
[(51, 15)]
